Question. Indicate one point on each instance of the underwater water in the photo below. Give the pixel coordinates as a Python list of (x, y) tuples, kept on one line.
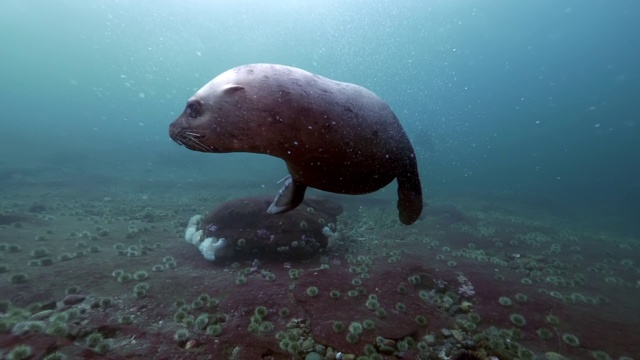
[(523, 116)]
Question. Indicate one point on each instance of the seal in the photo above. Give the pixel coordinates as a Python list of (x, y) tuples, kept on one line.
[(333, 136)]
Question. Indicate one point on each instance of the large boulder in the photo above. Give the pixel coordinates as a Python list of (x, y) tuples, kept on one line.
[(243, 228)]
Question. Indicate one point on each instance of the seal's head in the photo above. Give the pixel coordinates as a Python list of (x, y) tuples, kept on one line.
[(204, 125), (231, 113)]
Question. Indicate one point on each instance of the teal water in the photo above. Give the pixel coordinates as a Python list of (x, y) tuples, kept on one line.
[(528, 97), (534, 102)]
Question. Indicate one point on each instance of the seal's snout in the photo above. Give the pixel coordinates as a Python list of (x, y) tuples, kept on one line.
[(174, 130), (184, 135)]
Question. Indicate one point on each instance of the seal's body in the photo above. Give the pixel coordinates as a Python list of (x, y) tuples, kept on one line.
[(333, 136)]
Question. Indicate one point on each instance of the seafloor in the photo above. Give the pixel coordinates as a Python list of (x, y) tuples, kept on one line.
[(477, 278)]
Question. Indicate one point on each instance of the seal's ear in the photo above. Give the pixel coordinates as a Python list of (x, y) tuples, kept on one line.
[(232, 88)]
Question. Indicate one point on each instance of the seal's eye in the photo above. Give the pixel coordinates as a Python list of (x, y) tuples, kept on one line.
[(194, 108)]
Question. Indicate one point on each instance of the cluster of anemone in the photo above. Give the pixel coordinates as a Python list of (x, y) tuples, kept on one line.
[(355, 329), (141, 290), (372, 303), (20, 352), (97, 342), (259, 324)]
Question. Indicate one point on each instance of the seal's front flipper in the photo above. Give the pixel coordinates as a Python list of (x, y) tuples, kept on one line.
[(289, 197)]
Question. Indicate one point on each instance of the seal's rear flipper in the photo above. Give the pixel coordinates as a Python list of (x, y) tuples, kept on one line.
[(289, 197), (409, 195)]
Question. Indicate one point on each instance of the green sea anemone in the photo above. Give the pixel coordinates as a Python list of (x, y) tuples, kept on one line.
[(270, 276), (369, 324), (414, 279), (545, 334), (124, 278), (474, 318), (39, 252), (202, 321), (420, 320), (283, 312), (338, 326), (518, 320), (94, 339), (105, 302), (600, 355), (140, 290), (140, 275), (352, 338), (72, 290), (552, 319), (179, 316), (19, 278), (56, 356), (312, 291), (103, 347), (372, 304), (214, 330), (181, 335), (504, 301), (571, 340), (356, 328), (20, 352), (261, 311)]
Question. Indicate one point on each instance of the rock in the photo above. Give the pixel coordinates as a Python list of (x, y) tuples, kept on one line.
[(313, 356), (458, 335), (51, 305), (387, 350), (73, 299), (430, 339), (249, 231), (41, 315)]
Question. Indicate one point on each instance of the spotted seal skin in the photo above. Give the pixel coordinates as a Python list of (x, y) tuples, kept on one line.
[(333, 136)]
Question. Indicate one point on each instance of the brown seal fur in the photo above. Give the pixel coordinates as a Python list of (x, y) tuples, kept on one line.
[(333, 136)]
